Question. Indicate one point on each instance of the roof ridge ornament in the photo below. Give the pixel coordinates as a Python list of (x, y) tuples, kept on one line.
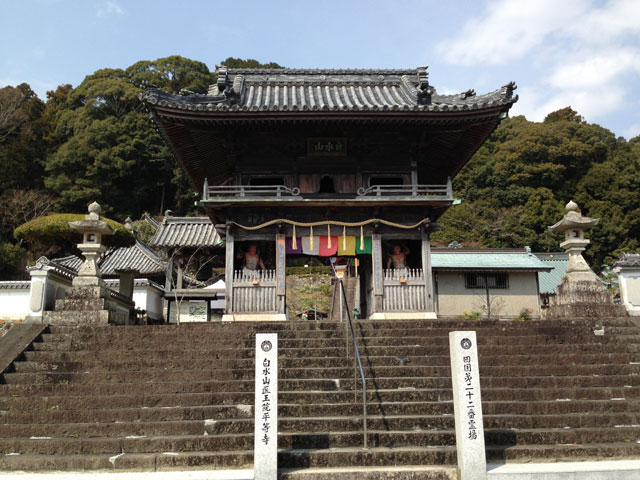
[(508, 89), (469, 93), (425, 91), (223, 74)]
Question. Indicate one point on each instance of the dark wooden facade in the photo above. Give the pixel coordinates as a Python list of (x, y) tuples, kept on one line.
[(369, 151)]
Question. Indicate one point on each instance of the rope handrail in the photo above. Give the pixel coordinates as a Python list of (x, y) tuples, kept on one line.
[(332, 222)]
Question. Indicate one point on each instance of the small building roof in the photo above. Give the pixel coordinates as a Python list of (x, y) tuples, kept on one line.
[(138, 257), (550, 280), (628, 260), (191, 232), (486, 260)]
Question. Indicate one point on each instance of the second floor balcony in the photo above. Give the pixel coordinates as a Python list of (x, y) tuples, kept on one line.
[(374, 194)]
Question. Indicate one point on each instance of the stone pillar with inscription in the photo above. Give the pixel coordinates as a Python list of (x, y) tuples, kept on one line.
[(265, 456), (467, 404)]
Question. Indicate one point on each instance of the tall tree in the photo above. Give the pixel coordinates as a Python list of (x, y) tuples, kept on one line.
[(111, 152), (520, 179)]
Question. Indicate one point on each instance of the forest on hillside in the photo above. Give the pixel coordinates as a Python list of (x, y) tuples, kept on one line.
[(95, 142)]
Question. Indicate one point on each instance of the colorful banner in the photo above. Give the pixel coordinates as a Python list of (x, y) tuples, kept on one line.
[(325, 250), (367, 246), (289, 246), (347, 246), (306, 245)]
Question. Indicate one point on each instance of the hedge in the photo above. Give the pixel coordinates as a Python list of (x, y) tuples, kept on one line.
[(55, 230)]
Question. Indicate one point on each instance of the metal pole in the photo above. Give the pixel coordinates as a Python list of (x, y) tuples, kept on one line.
[(364, 413)]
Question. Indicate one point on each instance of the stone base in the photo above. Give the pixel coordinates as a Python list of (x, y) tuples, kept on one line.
[(582, 299), (94, 317), (88, 305), (254, 317), (404, 316)]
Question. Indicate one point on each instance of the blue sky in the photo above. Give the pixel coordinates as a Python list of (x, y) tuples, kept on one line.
[(582, 53)]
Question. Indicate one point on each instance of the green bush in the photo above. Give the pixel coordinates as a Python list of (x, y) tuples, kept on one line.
[(322, 270), (55, 230)]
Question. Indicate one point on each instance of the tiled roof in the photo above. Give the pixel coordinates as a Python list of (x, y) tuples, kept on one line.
[(138, 257), (550, 280), (485, 259), (287, 90), (15, 285), (628, 260), (185, 232)]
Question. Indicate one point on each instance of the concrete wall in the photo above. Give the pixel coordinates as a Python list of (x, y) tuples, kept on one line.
[(453, 298), (14, 300), (629, 279), (149, 299)]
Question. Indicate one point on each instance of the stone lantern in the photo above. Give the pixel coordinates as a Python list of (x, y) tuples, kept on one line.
[(580, 294), (89, 301), (92, 229), (573, 225)]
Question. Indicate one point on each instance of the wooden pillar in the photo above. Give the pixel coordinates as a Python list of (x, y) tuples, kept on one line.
[(427, 271), (168, 282), (378, 280), (281, 264), (228, 272), (180, 262)]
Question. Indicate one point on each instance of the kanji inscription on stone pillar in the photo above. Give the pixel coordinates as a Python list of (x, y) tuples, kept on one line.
[(265, 459)]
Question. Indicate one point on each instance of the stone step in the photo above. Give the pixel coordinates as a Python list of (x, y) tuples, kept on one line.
[(57, 359), (396, 472), (199, 360), (309, 396), (318, 440), (525, 357), (293, 339), (97, 409), (412, 387), (73, 372), (547, 325), (304, 458), (607, 425)]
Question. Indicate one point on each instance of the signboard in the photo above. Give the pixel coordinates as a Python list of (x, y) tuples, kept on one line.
[(377, 264), (327, 147), (281, 265), (467, 404), (265, 458)]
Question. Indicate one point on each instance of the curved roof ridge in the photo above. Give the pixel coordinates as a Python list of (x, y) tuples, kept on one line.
[(320, 71)]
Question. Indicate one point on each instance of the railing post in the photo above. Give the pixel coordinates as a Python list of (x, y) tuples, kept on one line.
[(449, 188), (205, 189)]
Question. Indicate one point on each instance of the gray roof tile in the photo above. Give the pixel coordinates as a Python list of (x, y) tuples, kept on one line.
[(138, 257), (185, 232), (282, 90)]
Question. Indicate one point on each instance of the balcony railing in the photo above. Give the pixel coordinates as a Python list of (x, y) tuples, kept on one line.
[(438, 192), (248, 191)]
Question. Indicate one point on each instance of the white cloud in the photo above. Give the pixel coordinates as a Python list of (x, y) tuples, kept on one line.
[(509, 30), (594, 70), (582, 53), (108, 8), (632, 131)]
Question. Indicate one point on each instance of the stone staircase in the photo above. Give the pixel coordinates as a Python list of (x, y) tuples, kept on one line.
[(180, 397)]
